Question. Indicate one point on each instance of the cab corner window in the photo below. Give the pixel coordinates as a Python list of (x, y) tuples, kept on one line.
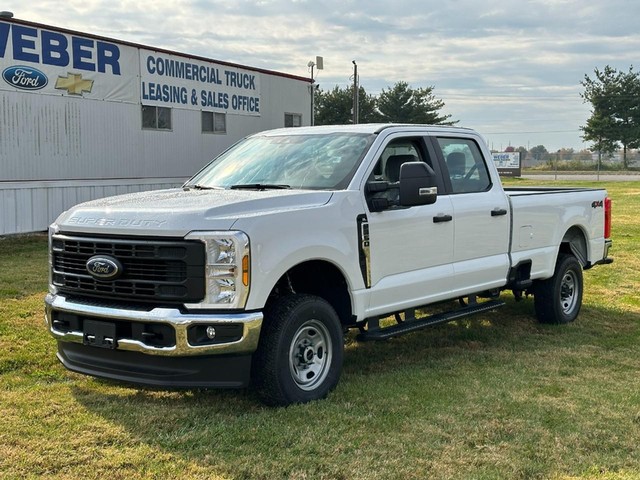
[(465, 165)]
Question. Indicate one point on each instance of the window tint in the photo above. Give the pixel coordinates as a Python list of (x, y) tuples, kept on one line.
[(465, 165)]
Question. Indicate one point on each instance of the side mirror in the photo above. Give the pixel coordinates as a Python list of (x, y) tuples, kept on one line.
[(417, 184)]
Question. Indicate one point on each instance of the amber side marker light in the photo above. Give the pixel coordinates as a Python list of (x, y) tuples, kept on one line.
[(245, 270)]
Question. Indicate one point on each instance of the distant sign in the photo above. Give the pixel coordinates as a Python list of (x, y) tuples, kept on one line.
[(508, 163)]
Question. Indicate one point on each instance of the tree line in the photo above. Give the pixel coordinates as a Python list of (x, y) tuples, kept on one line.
[(615, 111), (398, 104)]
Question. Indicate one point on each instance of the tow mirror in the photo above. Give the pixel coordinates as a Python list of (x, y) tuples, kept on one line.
[(417, 184)]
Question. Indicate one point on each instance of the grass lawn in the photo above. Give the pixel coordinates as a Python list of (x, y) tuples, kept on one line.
[(494, 396)]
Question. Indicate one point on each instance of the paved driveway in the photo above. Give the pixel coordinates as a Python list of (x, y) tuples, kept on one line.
[(603, 177)]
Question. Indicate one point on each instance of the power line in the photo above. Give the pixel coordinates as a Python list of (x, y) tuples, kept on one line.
[(528, 133), (510, 95)]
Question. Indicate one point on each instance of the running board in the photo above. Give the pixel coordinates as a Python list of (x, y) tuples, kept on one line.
[(412, 325)]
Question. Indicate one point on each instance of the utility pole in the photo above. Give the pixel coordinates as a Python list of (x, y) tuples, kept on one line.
[(355, 93), (319, 64), (311, 65)]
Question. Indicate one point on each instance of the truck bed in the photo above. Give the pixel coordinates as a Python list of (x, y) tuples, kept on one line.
[(518, 191), (539, 226)]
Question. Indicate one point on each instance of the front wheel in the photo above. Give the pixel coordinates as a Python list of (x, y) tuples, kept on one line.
[(299, 358), (558, 299)]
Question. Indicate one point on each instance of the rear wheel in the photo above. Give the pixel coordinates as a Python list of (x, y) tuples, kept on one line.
[(299, 358), (558, 299)]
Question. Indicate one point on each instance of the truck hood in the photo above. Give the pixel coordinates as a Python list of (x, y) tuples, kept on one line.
[(176, 212)]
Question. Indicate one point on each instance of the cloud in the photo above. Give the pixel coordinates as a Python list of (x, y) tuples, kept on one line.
[(500, 65)]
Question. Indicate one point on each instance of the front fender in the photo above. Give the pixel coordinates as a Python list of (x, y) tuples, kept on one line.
[(282, 240)]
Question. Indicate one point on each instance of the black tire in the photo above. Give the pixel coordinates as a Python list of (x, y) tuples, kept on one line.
[(299, 358), (558, 299)]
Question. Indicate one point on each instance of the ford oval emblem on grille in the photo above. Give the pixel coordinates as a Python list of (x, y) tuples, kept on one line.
[(103, 267)]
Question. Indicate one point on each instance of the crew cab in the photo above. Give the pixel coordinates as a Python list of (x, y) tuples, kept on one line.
[(252, 272)]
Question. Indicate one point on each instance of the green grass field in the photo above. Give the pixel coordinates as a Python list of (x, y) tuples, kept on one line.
[(495, 396)]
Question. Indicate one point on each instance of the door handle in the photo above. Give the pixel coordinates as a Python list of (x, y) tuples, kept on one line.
[(442, 218), (497, 212)]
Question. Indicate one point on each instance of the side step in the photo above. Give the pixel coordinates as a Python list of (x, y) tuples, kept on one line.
[(411, 325)]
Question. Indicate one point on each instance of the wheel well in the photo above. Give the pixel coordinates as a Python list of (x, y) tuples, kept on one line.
[(320, 278), (575, 243)]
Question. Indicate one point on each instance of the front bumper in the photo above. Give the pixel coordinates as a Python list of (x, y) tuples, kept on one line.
[(174, 357), (181, 322)]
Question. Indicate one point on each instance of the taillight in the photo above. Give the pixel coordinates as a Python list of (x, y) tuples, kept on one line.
[(607, 217)]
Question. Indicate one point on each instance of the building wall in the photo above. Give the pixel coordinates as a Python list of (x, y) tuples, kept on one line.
[(32, 206), (59, 149)]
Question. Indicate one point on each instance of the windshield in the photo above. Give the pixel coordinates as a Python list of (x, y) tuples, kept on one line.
[(320, 161)]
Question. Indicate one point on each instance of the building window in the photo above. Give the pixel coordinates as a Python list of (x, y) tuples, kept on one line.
[(292, 119), (157, 118), (214, 122)]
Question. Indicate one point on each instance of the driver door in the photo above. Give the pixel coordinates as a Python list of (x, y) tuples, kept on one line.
[(411, 248)]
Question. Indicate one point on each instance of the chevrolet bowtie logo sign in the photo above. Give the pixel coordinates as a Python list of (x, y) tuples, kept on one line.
[(74, 84)]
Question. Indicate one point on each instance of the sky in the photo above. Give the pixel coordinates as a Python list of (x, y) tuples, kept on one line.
[(508, 69)]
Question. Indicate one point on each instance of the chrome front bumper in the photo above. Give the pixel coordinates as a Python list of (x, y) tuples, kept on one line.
[(251, 324)]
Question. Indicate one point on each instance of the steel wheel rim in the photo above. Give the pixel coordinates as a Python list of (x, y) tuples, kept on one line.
[(310, 355), (569, 292)]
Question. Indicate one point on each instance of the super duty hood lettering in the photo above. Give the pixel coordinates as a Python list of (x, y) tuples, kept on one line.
[(115, 222)]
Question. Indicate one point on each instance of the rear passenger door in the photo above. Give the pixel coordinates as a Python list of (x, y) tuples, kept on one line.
[(480, 216)]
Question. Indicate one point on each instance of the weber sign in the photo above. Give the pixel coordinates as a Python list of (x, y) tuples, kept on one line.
[(71, 64), (52, 62), (508, 163)]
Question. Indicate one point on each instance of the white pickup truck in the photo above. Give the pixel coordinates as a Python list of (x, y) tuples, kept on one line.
[(253, 271)]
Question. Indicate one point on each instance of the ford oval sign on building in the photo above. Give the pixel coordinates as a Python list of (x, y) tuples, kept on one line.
[(25, 78), (103, 267)]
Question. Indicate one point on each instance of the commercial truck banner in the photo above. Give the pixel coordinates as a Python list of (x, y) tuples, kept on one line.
[(51, 62), (176, 81)]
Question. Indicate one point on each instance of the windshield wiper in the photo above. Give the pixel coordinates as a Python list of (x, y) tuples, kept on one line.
[(259, 186), (198, 186)]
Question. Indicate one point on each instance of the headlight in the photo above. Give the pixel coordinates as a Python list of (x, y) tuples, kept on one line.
[(53, 230), (227, 269)]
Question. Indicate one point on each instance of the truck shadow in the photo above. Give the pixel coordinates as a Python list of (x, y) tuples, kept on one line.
[(513, 328), (217, 426)]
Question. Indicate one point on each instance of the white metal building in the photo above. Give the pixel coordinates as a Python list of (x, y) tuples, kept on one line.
[(83, 116)]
